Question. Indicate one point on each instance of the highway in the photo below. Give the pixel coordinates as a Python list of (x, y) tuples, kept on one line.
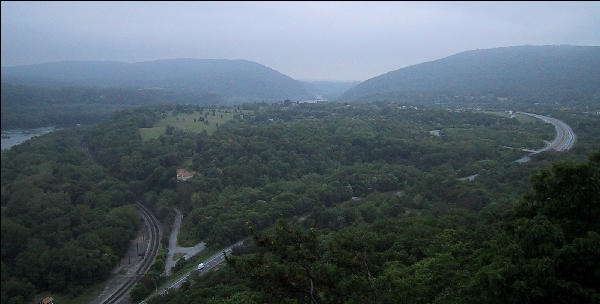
[(209, 265), (565, 137), (564, 140)]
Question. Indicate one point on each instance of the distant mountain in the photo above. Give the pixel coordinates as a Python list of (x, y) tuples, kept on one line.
[(538, 73), (329, 90), (233, 80)]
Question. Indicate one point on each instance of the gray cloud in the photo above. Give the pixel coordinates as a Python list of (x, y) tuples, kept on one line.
[(306, 40)]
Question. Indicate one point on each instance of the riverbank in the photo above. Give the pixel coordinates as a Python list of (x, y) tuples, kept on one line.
[(14, 137)]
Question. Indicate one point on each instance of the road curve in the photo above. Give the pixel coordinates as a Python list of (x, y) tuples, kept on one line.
[(564, 140), (565, 137), (149, 256)]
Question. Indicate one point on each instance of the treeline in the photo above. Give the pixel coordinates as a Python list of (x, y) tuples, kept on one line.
[(33, 107), (65, 223), (564, 75), (544, 250)]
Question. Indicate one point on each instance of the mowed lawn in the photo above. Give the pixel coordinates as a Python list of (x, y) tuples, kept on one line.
[(185, 121)]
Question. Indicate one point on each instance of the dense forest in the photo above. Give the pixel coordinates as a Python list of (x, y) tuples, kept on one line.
[(65, 223), (290, 159), (544, 250), (26, 106), (546, 74), (362, 199)]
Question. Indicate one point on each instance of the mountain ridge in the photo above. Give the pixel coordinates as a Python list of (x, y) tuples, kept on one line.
[(236, 80), (523, 71)]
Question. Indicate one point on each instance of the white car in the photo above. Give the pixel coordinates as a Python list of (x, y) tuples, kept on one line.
[(200, 266)]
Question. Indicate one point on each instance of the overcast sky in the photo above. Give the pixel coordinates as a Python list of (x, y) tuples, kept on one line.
[(305, 40)]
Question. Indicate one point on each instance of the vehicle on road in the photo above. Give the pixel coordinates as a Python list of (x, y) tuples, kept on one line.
[(200, 266)]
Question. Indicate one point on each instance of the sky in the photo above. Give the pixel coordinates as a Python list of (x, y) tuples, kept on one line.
[(305, 40)]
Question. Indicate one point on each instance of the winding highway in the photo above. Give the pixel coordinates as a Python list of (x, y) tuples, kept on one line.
[(564, 140), (565, 137)]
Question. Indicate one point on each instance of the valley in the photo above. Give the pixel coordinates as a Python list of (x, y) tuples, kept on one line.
[(401, 188)]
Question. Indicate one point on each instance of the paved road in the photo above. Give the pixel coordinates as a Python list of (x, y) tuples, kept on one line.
[(565, 137), (173, 249), (564, 140), (209, 265)]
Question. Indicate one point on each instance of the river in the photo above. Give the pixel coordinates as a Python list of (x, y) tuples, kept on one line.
[(16, 136)]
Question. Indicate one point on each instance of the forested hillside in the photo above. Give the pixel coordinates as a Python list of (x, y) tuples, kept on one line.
[(65, 223), (235, 81), (546, 74), (544, 250), (379, 200), (32, 107)]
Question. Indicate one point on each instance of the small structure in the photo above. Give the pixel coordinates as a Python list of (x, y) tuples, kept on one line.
[(469, 178), (47, 300), (183, 174), (435, 132)]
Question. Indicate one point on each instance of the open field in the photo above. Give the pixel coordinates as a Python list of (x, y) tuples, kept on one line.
[(195, 122)]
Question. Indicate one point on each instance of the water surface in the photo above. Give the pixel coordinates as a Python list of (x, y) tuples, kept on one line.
[(16, 136)]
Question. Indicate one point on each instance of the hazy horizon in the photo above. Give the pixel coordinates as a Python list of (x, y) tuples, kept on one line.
[(309, 41)]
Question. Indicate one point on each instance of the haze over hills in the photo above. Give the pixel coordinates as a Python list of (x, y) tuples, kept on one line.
[(535, 73), (233, 80), (328, 89)]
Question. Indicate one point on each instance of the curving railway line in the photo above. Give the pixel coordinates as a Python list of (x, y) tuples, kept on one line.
[(151, 251)]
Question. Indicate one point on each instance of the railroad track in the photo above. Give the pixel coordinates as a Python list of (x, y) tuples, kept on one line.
[(149, 256)]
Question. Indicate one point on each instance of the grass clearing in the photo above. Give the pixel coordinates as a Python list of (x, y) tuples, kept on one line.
[(177, 256), (197, 122)]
